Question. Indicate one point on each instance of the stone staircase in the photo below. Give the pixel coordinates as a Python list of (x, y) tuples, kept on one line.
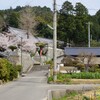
[(40, 67)]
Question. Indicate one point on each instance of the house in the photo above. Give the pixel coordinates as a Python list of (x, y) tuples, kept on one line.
[(76, 51)]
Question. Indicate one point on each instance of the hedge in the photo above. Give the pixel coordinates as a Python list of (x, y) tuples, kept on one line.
[(8, 71)]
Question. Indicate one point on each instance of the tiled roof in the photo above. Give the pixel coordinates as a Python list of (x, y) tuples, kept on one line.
[(74, 51)]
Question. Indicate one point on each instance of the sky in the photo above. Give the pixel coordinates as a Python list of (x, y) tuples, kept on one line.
[(92, 5)]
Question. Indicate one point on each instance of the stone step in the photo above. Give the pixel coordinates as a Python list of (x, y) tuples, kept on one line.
[(40, 67)]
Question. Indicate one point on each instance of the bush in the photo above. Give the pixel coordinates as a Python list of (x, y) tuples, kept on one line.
[(4, 71), (94, 68), (7, 70), (50, 79), (67, 61), (80, 66), (13, 73), (50, 62), (18, 68)]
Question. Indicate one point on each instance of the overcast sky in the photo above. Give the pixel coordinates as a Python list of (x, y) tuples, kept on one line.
[(92, 5)]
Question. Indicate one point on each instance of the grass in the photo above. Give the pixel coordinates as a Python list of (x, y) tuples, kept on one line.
[(63, 98), (69, 96), (82, 95), (85, 81), (77, 78)]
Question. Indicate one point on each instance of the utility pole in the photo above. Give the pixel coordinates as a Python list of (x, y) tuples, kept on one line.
[(21, 56), (89, 34), (55, 39)]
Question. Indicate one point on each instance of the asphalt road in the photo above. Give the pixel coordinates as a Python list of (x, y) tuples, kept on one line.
[(30, 87), (33, 87)]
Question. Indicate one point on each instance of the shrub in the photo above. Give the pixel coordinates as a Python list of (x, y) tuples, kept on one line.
[(50, 79), (4, 72), (7, 70), (67, 61), (18, 68), (94, 68), (86, 98), (13, 73), (80, 66), (12, 47), (50, 62)]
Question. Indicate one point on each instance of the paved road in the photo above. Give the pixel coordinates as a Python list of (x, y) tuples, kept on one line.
[(32, 87)]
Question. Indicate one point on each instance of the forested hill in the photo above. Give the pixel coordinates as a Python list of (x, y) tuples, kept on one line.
[(71, 23)]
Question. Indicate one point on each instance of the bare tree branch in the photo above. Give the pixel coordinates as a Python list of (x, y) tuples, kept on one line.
[(27, 21)]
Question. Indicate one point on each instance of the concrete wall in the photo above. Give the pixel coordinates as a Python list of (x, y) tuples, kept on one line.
[(49, 56), (50, 53), (94, 60), (27, 61)]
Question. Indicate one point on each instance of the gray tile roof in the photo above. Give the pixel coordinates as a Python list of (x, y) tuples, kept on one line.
[(74, 51)]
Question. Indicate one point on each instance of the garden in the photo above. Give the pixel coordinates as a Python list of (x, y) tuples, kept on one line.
[(89, 73)]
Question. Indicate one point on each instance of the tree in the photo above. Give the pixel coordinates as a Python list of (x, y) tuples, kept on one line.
[(80, 9), (86, 59), (18, 8), (72, 24), (14, 19), (1, 21), (98, 16), (80, 34), (44, 31), (81, 18), (44, 14), (67, 8), (66, 27), (27, 20), (66, 22)]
